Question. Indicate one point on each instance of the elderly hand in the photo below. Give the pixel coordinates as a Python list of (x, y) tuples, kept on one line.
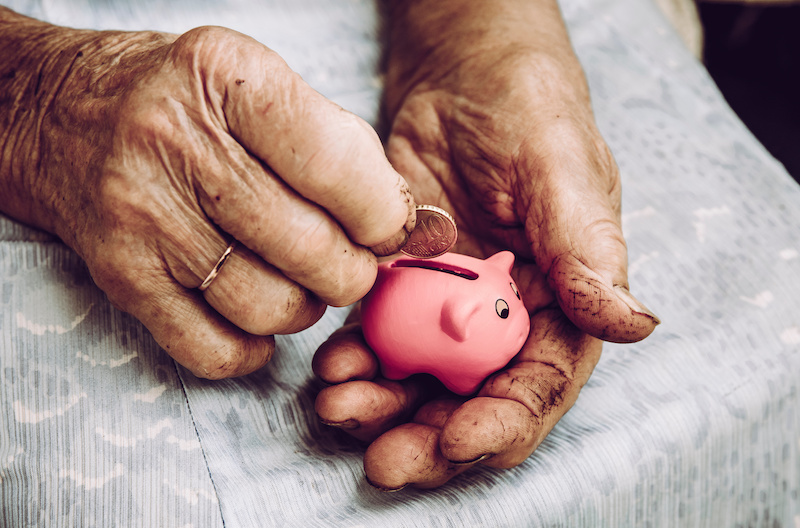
[(492, 121), (149, 153)]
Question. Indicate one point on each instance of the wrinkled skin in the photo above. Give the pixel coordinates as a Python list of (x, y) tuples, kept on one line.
[(148, 153), (505, 140)]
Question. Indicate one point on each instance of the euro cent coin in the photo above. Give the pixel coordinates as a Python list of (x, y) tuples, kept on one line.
[(434, 234)]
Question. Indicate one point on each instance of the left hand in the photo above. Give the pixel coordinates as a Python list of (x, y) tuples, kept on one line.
[(507, 142), (149, 153)]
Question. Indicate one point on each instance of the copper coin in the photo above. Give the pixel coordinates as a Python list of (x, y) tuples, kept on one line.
[(434, 234)]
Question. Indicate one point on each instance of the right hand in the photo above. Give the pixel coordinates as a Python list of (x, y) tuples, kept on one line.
[(504, 138), (157, 151)]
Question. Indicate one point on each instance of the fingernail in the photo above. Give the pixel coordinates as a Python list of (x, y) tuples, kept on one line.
[(633, 303), (474, 461), (384, 488), (346, 424)]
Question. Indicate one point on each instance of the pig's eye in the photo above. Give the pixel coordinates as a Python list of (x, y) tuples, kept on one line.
[(501, 307), (515, 290)]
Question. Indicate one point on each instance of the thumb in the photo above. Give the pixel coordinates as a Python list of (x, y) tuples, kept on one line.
[(602, 308), (573, 224)]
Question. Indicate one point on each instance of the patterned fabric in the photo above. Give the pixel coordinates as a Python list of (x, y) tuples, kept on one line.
[(699, 425)]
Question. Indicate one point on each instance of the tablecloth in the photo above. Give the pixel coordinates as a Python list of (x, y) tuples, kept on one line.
[(699, 425)]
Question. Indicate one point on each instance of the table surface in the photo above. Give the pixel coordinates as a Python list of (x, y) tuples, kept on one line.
[(699, 425)]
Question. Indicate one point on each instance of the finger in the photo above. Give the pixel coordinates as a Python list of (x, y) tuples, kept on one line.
[(366, 409), (408, 455), (328, 155), (436, 412), (259, 299), (345, 356), (572, 221), (248, 201), (517, 407), (248, 291), (181, 322)]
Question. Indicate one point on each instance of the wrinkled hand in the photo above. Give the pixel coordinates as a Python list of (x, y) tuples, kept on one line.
[(157, 151), (507, 142)]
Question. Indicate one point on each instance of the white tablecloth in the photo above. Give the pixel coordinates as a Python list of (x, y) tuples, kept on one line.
[(699, 425)]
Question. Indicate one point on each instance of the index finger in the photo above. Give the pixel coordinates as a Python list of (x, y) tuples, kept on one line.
[(328, 155)]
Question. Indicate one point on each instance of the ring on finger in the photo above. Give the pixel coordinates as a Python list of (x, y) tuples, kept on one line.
[(214, 272)]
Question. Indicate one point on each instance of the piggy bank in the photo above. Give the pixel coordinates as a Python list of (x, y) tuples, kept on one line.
[(456, 317)]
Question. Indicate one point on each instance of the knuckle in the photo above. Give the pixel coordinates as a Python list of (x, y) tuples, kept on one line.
[(146, 116), (352, 282), (257, 322), (121, 271), (606, 233), (122, 201), (303, 247), (260, 322), (206, 51), (338, 139), (196, 44), (348, 173), (541, 393), (496, 426), (341, 274), (292, 311), (607, 168)]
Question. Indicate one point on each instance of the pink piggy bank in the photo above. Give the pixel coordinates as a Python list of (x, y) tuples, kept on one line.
[(456, 317)]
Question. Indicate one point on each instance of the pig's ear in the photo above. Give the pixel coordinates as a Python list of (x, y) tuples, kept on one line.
[(503, 260), (457, 315)]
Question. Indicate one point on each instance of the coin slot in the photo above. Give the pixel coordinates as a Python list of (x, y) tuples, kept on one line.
[(437, 266)]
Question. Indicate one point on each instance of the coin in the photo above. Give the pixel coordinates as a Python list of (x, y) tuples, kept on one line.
[(434, 234)]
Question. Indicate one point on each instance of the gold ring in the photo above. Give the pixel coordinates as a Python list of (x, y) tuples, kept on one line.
[(214, 272)]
